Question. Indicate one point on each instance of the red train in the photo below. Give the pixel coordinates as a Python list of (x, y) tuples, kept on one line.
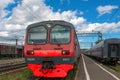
[(51, 48)]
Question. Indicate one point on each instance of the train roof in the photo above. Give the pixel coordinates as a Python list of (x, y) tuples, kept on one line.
[(7, 44), (114, 40), (4, 44), (52, 22)]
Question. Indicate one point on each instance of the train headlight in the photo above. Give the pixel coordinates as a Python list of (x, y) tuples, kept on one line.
[(30, 52), (65, 52)]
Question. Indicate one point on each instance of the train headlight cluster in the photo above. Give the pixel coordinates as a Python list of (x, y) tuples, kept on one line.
[(65, 52), (30, 52)]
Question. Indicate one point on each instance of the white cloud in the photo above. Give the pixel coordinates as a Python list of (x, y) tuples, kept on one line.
[(81, 12), (77, 21), (4, 4), (4, 33), (103, 27), (31, 11), (105, 9)]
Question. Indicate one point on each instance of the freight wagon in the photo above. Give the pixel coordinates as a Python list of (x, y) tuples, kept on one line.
[(9, 50)]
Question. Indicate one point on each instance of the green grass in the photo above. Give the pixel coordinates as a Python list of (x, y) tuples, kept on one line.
[(27, 74), (116, 68), (22, 75), (17, 62)]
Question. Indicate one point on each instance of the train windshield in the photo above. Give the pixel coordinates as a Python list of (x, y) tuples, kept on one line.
[(37, 35), (60, 34)]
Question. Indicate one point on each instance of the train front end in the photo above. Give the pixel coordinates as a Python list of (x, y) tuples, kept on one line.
[(50, 49)]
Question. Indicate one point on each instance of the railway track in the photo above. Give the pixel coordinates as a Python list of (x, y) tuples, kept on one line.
[(11, 68)]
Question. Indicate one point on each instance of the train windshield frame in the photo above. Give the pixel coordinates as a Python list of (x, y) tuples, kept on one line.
[(60, 34), (37, 35)]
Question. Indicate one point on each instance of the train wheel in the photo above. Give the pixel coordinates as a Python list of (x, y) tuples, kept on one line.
[(113, 63)]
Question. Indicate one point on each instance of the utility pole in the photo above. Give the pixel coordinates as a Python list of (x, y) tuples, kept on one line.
[(92, 34), (16, 41), (91, 44), (99, 36)]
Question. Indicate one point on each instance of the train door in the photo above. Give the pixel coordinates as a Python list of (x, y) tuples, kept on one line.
[(113, 50)]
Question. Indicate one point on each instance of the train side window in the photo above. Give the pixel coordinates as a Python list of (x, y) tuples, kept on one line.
[(60, 34), (37, 35)]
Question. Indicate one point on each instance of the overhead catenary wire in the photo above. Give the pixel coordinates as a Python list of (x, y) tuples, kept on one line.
[(114, 13), (29, 11)]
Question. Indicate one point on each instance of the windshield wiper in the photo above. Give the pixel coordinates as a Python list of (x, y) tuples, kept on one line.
[(56, 41)]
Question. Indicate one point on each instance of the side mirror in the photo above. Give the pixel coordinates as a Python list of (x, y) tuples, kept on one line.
[(75, 42)]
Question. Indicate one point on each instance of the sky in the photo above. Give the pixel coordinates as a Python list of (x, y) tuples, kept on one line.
[(85, 15)]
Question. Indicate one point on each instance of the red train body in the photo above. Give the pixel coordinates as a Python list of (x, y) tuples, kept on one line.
[(51, 48)]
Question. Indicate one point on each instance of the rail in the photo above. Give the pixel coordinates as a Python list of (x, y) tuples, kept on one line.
[(11, 68)]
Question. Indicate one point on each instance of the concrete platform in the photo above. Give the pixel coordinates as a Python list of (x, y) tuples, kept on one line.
[(91, 70)]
